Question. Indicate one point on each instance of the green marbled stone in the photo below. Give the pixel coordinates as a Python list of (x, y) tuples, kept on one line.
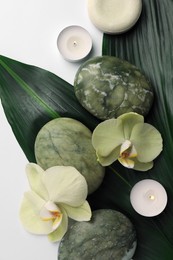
[(108, 87), (108, 236), (65, 141)]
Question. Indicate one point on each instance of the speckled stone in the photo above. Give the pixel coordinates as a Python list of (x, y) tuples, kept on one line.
[(65, 141), (108, 236), (108, 87)]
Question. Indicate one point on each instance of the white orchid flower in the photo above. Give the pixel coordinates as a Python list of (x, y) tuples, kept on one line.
[(56, 194), (127, 139)]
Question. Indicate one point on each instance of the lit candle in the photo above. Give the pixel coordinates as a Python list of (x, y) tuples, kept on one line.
[(114, 16), (74, 43), (148, 198)]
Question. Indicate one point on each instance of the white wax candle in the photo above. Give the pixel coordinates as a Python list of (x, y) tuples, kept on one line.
[(74, 43), (148, 198), (114, 16)]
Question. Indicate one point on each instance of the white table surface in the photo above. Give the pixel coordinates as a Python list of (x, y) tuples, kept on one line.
[(28, 33)]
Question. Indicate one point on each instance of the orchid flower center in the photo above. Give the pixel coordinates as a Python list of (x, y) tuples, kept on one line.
[(127, 151), (51, 212)]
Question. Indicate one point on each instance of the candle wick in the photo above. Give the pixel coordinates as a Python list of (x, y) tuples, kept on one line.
[(75, 43), (152, 197)]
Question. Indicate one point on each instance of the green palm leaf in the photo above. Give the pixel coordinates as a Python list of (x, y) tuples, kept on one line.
[(31, 97), (149, 46)]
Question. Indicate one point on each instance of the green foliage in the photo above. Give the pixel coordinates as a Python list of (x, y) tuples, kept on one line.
[(149, 46), (31, 97)]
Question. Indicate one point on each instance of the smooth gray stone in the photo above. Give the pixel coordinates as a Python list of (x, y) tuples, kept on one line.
[(65, 141), (108, 87), (108, 236)]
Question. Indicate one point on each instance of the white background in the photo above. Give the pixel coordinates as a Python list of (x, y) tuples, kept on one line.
[(28, 33)]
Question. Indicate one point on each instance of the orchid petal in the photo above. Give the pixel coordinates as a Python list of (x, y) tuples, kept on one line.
[(51, 211), (58, 234), (111, 133), (30, 215), (82, 213), (147, 141), (45, 214), (57, 222), (129, 120), (108, 160), (125, 146), (66, 185), (127, 162), (107, 136), (133, 152), (139, 166), (35, 200), (34, 173), (135, 164), (51, 206)]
